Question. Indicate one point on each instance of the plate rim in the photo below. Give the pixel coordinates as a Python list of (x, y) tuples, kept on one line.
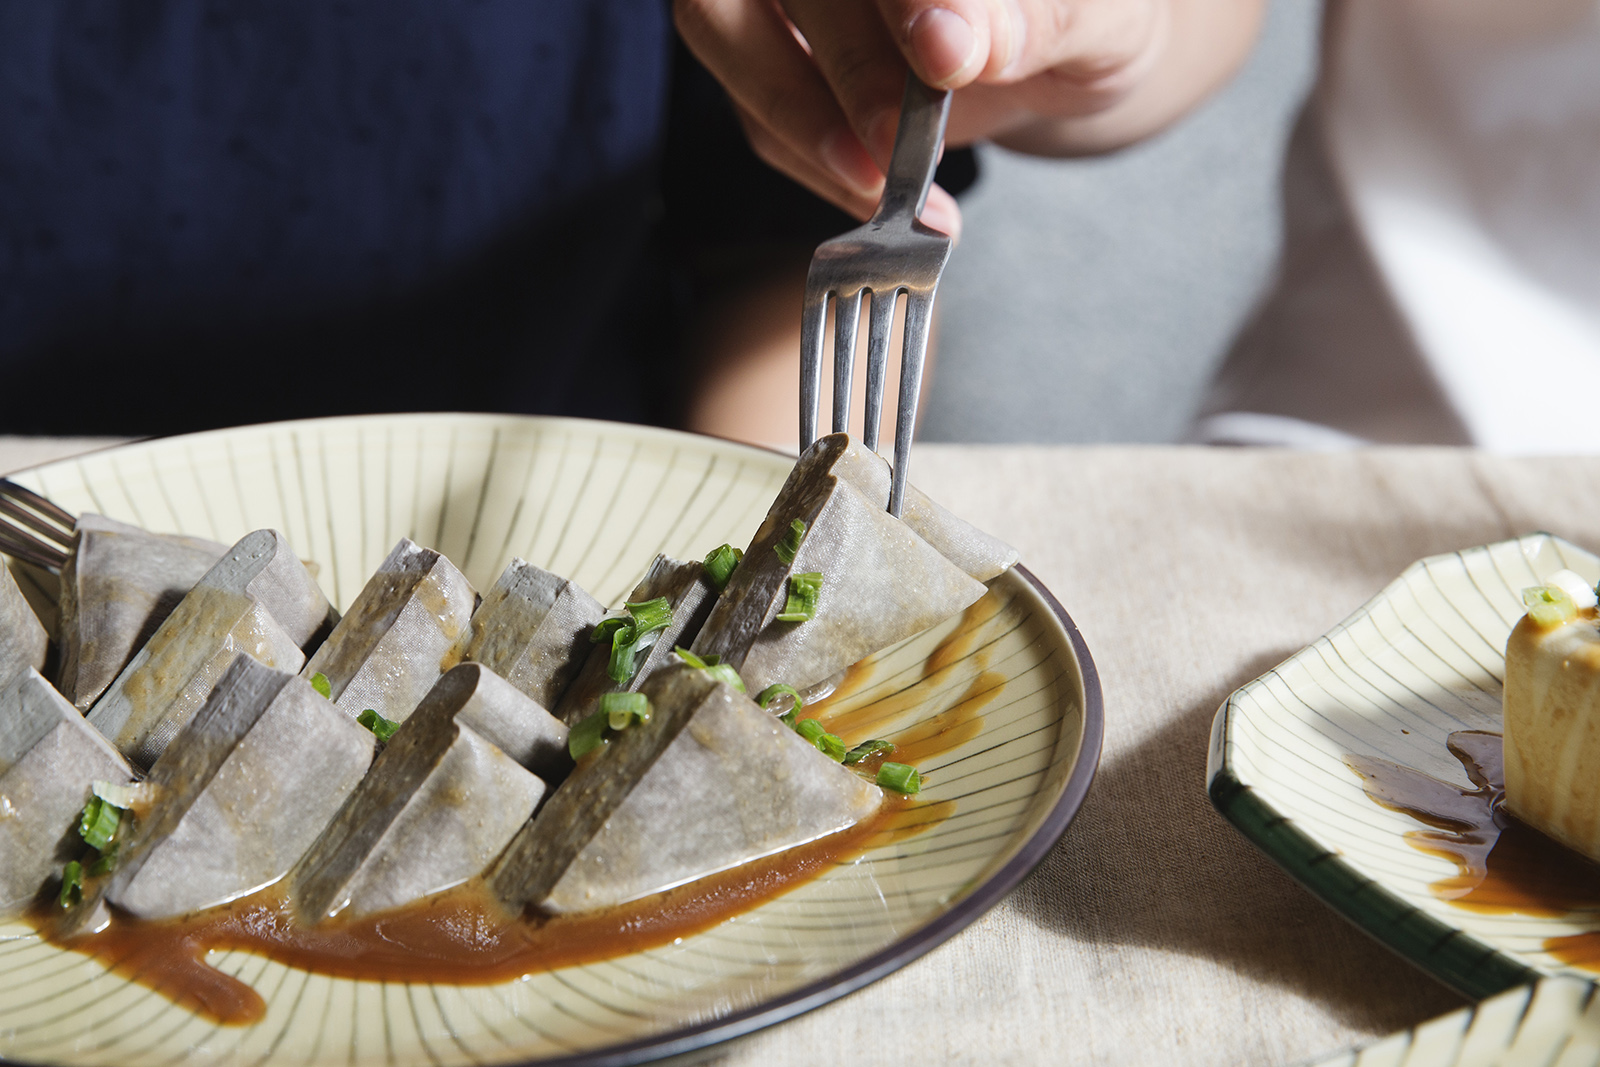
[(1448, 953), (686, 1041)]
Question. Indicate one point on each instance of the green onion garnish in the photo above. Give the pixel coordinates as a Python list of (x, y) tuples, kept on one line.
[(588, 735), (720, 563), (624, 709), (99, 823), (832, 746), (810, 729), (381, 728), (802, 603), (106, 863), (118, 796), (1549, 605), (320, 683), (71, 884), (791, 541), (865, 749), (900, 777), (776, 690), (713, 666), (647, 617)]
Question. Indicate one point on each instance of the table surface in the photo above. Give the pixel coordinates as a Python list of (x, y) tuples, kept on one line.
[(1154, 933)]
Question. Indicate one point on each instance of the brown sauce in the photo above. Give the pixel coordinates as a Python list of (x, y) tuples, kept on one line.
[(462, 937), (1503, 865)]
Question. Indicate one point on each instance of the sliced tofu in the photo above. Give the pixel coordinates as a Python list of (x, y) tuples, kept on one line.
[(409, 624), (50, 759), (119, 584), (532, 629), (239, 796), (440, 803), (259, 599), (981, 555), (1552, 729), (691, 595), (881, 583), (475, 696), (711, 781), (23, 638)]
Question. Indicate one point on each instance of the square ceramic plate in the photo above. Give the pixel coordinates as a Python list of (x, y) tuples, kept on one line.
[(594, 502), (1551, 1023), (1422, 659)]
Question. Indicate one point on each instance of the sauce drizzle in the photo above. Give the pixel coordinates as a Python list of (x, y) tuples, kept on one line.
[(1503, 865)]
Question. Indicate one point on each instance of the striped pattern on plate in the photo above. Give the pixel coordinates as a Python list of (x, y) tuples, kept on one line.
[(1551, 1023), (595, 502), (1422, 659)]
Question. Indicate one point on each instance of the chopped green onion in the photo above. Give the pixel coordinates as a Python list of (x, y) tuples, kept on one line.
[(607, 627), (802, 603), (381, 728), (71, 884), (832, 746), (588, 735), (791, 541), (810, 729), (320, 683), (1549, 605), (720, 563), (776, 690), (99, 823), (105, 864), (713, 666), (623, 709), (866, 749), (900, 777), (118, 796), (647, 617)]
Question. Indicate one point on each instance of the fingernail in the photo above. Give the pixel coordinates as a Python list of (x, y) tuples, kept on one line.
[(849, 161), (942, 213), (944, 44)]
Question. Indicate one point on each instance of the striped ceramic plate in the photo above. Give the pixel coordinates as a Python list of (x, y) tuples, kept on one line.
[(1422, 659), (1554, 1022), (595, 502)]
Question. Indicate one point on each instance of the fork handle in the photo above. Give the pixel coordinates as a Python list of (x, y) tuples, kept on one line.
[(917, 140)]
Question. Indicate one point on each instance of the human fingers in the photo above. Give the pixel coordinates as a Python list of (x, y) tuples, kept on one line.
[(751, 49), (941, 211), (950, 43), (857, 57), (1092, 44)]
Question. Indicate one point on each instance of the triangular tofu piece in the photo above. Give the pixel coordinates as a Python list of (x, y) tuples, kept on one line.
[(711, 781), (513, 722), (691, 595), (23, 638), (532, 629), (881, 583), (981, 555), (258, 599), (409, 624), (119, 584), (439, 804), (239, 796), (50, 759)]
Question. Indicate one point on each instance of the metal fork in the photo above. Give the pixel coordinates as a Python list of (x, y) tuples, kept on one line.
[(33, 528), (892, 254)]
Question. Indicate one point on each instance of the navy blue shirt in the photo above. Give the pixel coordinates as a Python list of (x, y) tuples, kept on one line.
[(214, 213)]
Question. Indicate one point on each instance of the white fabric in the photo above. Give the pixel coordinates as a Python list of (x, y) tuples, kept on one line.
[(1464, 140)]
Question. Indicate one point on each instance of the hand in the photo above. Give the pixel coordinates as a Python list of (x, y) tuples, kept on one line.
[(817, 83)]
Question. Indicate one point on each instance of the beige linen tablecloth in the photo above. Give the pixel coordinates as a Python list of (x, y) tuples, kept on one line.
[(1154, 934)]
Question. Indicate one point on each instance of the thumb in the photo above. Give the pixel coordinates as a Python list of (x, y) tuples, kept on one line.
[(948, 43)]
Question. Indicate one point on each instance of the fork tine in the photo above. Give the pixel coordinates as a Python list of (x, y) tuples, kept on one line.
[(29, 519), (846, 324), (880, 324), (919, 310), (30, 549), (813, 320), (40, 504)]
